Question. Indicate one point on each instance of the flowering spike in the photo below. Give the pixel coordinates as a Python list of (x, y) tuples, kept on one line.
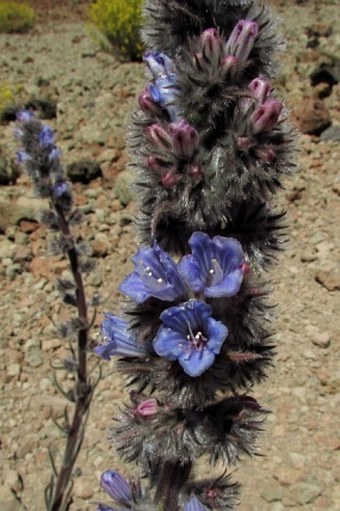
[(117, 340), (116, 486), (241, 40)]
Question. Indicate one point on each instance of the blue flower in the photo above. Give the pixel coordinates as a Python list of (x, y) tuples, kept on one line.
[(117, 340), (159, 63), (215, 266), (155, 275), (116, 486), (46, 136), (191, 336), (25, 116), (194, 504), (164, 91)]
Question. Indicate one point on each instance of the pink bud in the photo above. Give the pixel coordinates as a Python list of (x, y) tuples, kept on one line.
[(266, 116), (184, 139), (160, 138), (147, 408), (261, 89), (146, 103), (229, 64), (267, 154), (169, 179), (245, 268), (157, 164), (241, 40), (196, 172), (212, 46)]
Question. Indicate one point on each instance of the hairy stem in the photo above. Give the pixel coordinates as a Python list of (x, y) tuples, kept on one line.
[(172, 478), (84, 391)]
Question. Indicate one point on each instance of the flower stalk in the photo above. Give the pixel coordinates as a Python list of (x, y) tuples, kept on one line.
[(42, 160)]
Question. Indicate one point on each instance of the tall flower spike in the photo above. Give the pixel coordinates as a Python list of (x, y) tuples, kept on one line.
[(190, 335), (216, 266), (155, 275), (117, 340)]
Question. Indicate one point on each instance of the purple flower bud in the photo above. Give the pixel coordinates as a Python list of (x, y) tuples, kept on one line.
[(266, 116), (184, 139), (194, 504), (54, 154), (147, 408), (17, 133), (25, 116), (146, 103), (159, 137), (117, 340), (212, 46), (241, 40), (170, 178), (61, 188), (159, 64), (261, 89), (22, 156), (116, 486), (46, 136), (229, 64)]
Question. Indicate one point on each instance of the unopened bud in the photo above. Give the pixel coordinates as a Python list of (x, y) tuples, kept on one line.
[(229, 64), (241, 40), (147, 408), (146, 103), (116, 486), (261, 89), (184, 139), (160, 138), (266, 116), (212, 46), (169, 179)]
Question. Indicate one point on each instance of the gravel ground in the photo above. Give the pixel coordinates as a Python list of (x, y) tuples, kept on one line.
[(93, 94)]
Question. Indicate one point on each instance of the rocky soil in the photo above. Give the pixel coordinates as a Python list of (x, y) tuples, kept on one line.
[(91, 94)]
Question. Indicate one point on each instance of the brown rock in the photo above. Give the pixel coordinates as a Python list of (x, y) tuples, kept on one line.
[(329, 279), (28, 226), (311, 116)]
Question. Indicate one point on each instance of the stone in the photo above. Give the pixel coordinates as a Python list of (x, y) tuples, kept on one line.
[(13, 480), (7, 248), (303, 493), (312, 116), (83, 488), (331, 134), (322, 339), (83, 171), (123, 189), (100, 245), (28, 226), (329, 279)]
